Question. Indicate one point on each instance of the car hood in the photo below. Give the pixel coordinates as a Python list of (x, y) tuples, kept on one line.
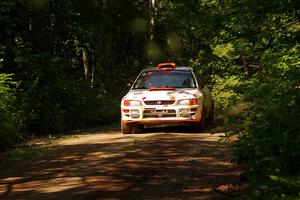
[(163, 94)]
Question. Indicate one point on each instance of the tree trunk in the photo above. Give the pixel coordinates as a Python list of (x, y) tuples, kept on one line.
[(245, 66), (153, 7), (85, 63)]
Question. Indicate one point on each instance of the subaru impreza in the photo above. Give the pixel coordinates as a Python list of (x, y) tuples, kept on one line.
[(166, 95)]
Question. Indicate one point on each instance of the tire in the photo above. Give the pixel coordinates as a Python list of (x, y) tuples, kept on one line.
[(137, 128), (126, 128)]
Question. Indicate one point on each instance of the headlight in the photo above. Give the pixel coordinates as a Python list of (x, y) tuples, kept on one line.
[(132, 103), (184, 102), (188, 102)]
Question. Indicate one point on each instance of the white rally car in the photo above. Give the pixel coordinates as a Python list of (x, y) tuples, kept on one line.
[(166, 95)]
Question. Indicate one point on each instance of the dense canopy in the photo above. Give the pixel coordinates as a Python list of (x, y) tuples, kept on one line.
[(65, 65)]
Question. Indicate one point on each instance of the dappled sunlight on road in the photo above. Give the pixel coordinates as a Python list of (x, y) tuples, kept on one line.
[(112, 166)]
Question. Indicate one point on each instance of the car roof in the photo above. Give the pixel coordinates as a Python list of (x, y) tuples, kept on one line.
[(177, 68)]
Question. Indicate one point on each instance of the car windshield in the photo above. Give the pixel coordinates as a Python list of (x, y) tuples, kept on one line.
[(165, 79)]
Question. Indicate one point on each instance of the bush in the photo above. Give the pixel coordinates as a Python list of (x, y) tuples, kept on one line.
[(271, 149), (8, 115)]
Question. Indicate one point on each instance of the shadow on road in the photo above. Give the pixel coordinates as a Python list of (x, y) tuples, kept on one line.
[(172, 129), (161, 166)]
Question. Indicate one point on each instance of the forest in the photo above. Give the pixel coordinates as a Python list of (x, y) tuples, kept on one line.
[(65, 64)]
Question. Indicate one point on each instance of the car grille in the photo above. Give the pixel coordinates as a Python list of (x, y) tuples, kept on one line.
[(159, 113), (163, 102)]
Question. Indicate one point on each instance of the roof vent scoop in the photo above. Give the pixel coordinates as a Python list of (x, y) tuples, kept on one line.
[(166, 66)]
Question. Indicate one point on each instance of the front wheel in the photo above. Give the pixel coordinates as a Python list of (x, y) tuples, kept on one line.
[(126, 128), (200, 126), (137, 128)]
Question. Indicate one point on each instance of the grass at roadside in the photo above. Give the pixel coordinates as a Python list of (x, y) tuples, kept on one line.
[(28, 150), (35, 146)]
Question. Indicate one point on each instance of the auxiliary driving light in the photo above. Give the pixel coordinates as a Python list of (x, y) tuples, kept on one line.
[(135, 114), (184, 113)]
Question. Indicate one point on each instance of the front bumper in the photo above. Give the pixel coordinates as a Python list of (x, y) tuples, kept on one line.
[(161, 114)]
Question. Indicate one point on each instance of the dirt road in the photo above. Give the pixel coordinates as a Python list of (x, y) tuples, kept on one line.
[(160, 164)]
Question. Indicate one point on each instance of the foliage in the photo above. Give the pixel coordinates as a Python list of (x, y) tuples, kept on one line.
[(268, 52), (71, 61), (8, 118), (224, 91), (249, 53)]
